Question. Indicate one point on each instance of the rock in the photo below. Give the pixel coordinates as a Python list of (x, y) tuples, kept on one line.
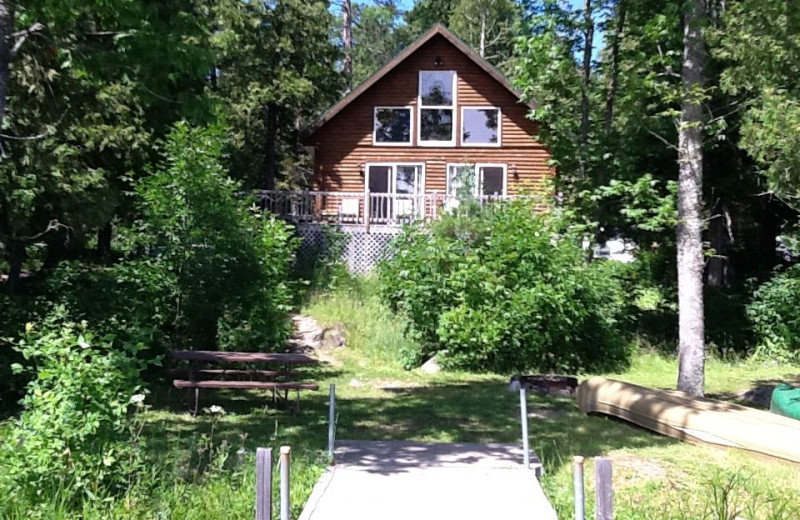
[(356, 383), (333, 337), (431, 366)]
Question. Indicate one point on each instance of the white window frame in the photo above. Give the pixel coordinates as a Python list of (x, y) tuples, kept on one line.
[(454, 108), (393, 174), (410, 122), (478, 188), (481, 145)]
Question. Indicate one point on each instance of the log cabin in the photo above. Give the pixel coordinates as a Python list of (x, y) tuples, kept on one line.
[(433, 123)]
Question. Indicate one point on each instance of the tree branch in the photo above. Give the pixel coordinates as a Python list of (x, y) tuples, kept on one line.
[(21, 36)]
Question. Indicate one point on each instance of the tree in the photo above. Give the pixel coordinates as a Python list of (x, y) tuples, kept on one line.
[(278, 71), (89, 89), (427, 13), (378, 35), (487, 26), (691, 349)]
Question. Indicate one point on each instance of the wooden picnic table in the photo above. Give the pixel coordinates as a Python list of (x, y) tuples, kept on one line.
[(247, 358)]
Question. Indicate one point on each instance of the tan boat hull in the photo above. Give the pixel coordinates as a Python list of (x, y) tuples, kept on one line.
[(688, 418)]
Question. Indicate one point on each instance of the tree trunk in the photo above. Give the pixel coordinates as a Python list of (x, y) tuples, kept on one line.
[(611, 91), (7, 14), (721, 238), (16, 256), (588, 35), (483, 34), (270, 152), (691, 350), (104, 235), (347, 44)]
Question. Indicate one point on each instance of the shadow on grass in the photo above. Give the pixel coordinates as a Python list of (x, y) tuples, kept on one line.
[(473, 412)]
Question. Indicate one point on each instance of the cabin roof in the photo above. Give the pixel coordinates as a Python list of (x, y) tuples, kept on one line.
[(437, 29)]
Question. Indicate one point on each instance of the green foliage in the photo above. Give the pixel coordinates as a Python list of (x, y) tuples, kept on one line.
[(505, 290), (774, 317), (275, 72), (72, 436), (760, 44), (230, 262)]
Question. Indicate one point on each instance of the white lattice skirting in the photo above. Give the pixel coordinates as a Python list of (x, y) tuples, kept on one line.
[(360, 251)]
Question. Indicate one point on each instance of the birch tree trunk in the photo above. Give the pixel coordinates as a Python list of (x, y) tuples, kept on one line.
[(483, 34), (588, 35), (691, 349), (7, 14), (347, 44)]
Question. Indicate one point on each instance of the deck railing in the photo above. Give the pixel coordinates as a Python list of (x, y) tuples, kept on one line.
[(359, 207)]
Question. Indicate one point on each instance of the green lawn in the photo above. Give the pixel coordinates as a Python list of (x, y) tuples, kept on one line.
[(654, 476)]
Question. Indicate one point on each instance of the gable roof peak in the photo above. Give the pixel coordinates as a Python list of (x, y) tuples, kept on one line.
[(437, 29)]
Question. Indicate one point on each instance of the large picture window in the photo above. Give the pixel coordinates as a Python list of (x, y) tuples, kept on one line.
[(392, 126), (480, 126), (437, 101)]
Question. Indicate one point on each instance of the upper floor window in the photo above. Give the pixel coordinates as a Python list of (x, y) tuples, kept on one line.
[(392, 126), (437, 102), (480, 126)]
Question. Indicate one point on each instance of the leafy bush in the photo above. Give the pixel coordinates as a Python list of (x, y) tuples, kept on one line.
[(230, 262), (773, 314), (505, 289), (72, 436)]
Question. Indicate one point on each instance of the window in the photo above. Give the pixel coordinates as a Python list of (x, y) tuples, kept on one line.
[(437, 101), (392, 126), (478, 180), (480, 126), (395, 190)]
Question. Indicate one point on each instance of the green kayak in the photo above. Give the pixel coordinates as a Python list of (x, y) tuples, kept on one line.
[(786, 401)]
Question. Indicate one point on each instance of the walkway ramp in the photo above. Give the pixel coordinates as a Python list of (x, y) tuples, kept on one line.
[(415, 480)]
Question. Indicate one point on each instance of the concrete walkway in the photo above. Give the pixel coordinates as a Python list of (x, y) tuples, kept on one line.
[(412, 480)]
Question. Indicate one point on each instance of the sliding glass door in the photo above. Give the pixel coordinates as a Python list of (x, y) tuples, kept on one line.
[(394, 190)]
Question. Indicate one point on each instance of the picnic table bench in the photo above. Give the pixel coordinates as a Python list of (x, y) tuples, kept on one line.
[(194, 378)]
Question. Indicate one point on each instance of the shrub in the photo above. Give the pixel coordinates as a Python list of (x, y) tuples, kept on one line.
[(71, 437), (504, 288), (773, 314), (230, 262)]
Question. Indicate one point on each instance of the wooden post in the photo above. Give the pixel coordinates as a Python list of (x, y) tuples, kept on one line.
[(286, 505), (603, 491), (366, 210), (264, 484)]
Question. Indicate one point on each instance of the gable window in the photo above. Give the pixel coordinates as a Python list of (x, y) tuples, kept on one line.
[(392, 126), (437, 101), (480, 126)]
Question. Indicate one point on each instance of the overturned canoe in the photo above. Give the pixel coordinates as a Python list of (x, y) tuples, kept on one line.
[(786, 401), (688, 418)]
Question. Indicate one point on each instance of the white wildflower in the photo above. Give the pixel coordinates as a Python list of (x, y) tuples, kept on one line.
[(216, 409), (137, 399)]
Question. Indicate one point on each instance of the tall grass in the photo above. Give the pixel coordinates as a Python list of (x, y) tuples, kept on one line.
[(374, 333)]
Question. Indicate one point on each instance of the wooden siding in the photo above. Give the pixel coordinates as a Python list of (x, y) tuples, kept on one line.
[(344, 144)]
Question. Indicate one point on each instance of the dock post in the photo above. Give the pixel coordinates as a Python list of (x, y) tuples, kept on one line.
[(604, 493), (286, 506), (264, 484), (577, 486), (523, 412), (331, 418)]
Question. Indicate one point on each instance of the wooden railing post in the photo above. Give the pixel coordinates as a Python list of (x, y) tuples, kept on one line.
[(367, 210)]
